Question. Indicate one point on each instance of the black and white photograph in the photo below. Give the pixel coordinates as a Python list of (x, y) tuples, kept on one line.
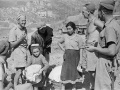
[(59, 44)]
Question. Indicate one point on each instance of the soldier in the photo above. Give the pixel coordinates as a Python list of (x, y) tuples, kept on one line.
[(109, 41), (92, 38)]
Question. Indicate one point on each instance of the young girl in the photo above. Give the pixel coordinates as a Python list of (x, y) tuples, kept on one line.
[(38, 58)]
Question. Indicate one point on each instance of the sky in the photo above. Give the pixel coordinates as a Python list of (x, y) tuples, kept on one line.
[(9, 3), (14, 0)]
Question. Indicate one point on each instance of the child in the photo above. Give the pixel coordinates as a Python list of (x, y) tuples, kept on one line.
[(38, 58)]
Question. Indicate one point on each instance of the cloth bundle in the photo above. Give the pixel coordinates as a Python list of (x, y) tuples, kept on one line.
[(55, 74), (33, 73)]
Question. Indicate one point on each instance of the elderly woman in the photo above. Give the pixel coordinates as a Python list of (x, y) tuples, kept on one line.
[(73, 43)]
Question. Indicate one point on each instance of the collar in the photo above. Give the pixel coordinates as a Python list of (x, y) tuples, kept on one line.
[(109, 21), (21, 28), (92, 19)]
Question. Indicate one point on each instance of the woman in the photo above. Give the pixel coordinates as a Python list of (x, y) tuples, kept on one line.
[(73, 43)]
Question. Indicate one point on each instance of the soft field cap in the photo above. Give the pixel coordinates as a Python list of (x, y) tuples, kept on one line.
[(21, 16), (108, 4)]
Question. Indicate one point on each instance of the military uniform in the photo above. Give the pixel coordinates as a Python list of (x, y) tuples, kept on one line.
[(110, 33)]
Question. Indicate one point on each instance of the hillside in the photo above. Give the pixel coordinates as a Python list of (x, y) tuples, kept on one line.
[(7, 4), (59, 8)]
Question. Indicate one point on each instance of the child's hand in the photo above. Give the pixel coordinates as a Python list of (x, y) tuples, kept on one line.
[(41, 70), (44, 73)]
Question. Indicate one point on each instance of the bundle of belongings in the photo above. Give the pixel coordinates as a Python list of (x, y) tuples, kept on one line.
[(54, 77), (55, 74), (33, 73)]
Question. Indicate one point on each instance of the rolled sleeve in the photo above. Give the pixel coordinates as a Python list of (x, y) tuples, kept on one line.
[(110, 35)]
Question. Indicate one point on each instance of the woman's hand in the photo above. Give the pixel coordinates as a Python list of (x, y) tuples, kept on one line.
[(41, 70), (44, 73)]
